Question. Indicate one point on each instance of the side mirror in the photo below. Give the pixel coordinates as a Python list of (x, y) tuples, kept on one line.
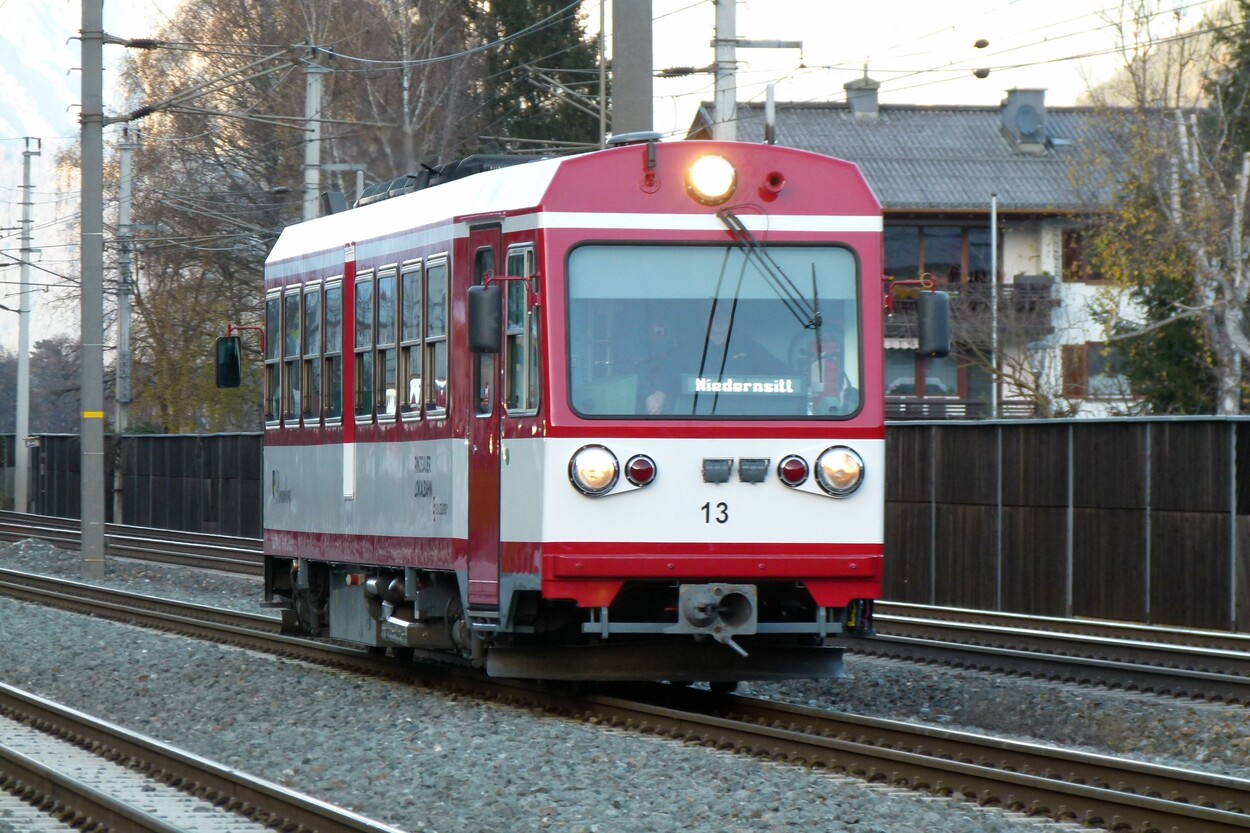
[(229, 363), (933, 324), (485, 319)]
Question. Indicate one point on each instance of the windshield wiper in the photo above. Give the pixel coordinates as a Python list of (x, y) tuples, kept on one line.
[(805, 312)]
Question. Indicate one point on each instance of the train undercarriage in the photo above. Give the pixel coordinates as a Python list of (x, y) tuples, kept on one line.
[(711, 631)]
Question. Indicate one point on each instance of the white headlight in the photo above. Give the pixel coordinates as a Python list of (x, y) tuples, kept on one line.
[(593, 470), (839, 471), (711, 179)]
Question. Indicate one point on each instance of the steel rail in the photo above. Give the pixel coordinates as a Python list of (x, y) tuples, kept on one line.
[(888, 613), (256, 798), (224, 553), (1210, 665), (1030, 778)]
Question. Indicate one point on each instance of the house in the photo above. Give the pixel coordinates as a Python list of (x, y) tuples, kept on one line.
[(941, 173)]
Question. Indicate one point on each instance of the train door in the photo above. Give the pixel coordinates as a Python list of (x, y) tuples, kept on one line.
[(484, 444)]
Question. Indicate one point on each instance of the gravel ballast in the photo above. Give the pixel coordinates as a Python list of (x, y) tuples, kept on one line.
[(427, 761)]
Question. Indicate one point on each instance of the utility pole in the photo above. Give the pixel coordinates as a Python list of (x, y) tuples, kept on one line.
[(995, 395), (724, 124), (125, 239), (91, 435), (727, 43), (631, 66), (603, 79), (312, 128), (21, 454)]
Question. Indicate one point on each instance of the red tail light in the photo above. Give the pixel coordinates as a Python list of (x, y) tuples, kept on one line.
[(793, 470), (640, 470)]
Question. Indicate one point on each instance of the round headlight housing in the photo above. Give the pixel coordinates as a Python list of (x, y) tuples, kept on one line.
[(839, 470), (593, 470), (711, 179)]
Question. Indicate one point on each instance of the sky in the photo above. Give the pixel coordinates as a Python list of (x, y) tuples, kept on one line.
[(921, 51)]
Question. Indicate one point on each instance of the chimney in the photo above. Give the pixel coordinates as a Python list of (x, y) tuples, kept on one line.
[(861, 95), (1024, 119)]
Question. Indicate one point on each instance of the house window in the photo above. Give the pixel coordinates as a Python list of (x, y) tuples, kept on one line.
[(952, 254), (943, 253), (1094, 370), (940, 376), (1076, 265)]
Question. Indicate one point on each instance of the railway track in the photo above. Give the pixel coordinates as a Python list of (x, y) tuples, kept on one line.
[(1207, 665), (89, 772), (1027, 778), (189, 549)]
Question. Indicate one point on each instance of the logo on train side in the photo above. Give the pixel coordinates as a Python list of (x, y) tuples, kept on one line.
[(423, 464), (276, 491), (423, 487)]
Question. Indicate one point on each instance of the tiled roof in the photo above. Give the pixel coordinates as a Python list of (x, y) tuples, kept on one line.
[(948, 158)]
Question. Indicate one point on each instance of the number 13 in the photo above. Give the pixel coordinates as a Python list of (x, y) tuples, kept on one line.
[(718, 513)]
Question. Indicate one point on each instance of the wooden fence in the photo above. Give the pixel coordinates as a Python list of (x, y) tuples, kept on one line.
[(1145, 520)]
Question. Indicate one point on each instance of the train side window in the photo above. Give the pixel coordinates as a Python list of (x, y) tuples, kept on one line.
[(273, 349), (410, 323), (386, 362), (333, 368), (436, 389), (291, 356), (483, 363), (312, 354), (522, 356), (364, 345)]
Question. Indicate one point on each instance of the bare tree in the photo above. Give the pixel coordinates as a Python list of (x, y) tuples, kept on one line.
[(220, 169), (1177, 144)]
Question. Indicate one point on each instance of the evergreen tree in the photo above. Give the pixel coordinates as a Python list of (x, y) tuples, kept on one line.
[(542, 83), (1229, 89)]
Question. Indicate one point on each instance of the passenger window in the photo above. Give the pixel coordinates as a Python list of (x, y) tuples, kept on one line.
[(273, 349), (364, 345), (387, 357), (312, 354), (521, 344), (436, 391), (291, 356), (410, 338), (333, 368), (483, 363)]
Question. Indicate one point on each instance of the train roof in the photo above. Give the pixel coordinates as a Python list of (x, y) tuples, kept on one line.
[(526, 188)]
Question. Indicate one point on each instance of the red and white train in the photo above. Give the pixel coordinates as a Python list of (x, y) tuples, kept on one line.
[(610, 416)]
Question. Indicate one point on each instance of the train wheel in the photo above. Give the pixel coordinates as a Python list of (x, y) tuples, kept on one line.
[(458, 628), (310, 605), (307, 617)]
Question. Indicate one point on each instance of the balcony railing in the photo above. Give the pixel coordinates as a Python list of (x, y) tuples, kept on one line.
[(1024, 309), (910, 407)]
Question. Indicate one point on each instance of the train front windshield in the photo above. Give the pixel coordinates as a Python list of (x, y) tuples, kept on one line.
[(695, 332)]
